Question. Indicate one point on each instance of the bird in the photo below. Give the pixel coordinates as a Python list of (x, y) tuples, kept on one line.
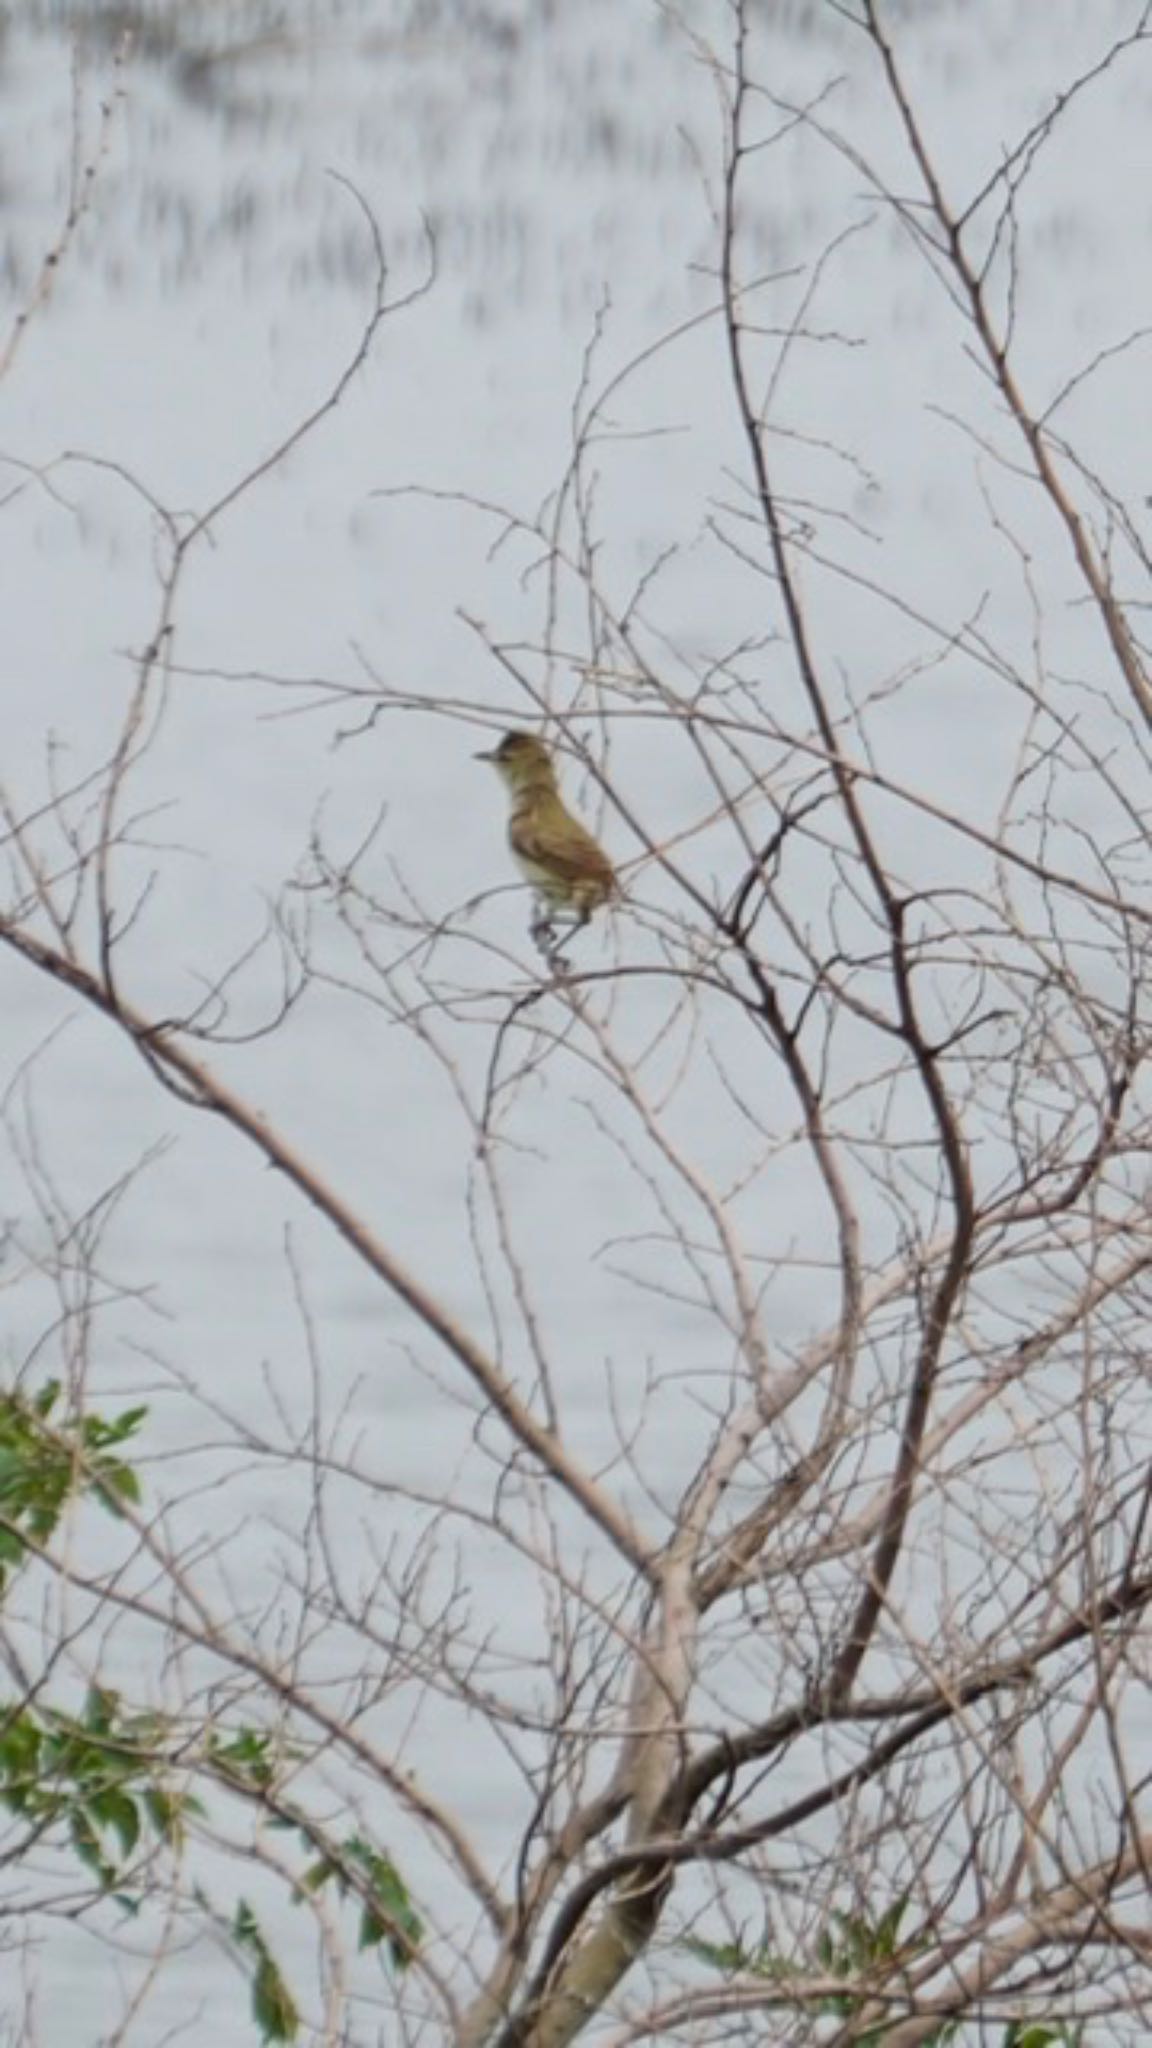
[(569, 872)]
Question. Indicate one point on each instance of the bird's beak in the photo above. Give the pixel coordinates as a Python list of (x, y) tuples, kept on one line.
[(490, 756)]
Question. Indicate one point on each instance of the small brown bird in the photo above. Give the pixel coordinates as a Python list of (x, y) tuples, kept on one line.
[(566, 868)]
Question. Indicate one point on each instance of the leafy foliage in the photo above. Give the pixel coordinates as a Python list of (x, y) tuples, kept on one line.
[(103, 1781), (100, 1778), (857, 1949), (44, 1462), (249, 1756), (273, 2007), (1042, 2034), (387, 1915)]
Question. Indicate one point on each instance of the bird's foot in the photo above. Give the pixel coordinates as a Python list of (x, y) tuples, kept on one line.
[(547, 942)]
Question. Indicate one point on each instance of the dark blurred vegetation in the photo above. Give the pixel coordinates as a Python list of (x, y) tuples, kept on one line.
[(548, 147), (531, 135)]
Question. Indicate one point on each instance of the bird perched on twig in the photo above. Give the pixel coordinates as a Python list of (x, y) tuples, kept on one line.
[(570, 874)]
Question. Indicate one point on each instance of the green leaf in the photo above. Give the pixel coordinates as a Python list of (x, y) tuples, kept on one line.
[(100, 1709), (245, 1926), (272, 2004), (13, 1467), (250, 1755), (86, 1844), (1041, 2034), (722, 1955), (114, 1809), (321, 1873), (391, 1918), (388, 1918), (118, 1483), (888, 1927), (166, 1811), (99, 1431)]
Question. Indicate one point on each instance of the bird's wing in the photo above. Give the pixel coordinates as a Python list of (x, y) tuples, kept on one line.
[(560, 844)]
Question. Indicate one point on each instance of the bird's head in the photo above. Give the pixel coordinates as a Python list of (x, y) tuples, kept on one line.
[(522, 760)]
